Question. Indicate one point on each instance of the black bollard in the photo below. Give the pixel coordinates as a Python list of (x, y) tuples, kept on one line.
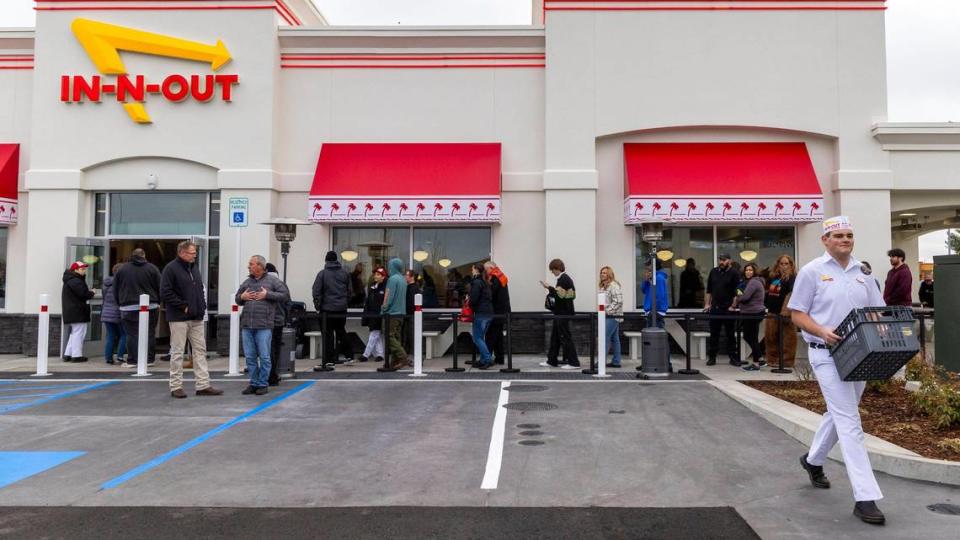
[(593, 348), (688, 325), (508, 345), (324, 366), (456, 334)]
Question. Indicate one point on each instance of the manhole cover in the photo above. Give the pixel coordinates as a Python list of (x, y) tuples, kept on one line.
[(617, 412), (531, 433), (527, 388), (528, 426), (531, 443), (530, 406), (944, 508)]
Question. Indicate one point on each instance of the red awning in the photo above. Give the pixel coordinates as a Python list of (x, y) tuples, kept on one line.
[(9, 172), (708, 182), (406, 182)]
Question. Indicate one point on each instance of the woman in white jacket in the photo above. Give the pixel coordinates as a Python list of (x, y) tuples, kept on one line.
[(614, 313)]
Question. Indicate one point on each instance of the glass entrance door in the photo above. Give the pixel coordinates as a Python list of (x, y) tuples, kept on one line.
[(94, 252)]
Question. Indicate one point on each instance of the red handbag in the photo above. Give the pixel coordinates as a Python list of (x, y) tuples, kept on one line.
[(466, 314)]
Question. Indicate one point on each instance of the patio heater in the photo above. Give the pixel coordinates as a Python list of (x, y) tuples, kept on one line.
[(655, 347), (285, 231)]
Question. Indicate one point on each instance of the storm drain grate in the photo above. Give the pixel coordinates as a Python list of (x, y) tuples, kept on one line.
[(944, 508), (531, 433), (528, 426), (617, 412), (527, 388), (530, 406), (532, 443)]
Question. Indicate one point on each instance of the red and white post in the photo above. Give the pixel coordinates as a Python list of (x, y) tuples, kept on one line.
[(418, 336), (601, 335), (43, 337), (233, 364), (142, 335)]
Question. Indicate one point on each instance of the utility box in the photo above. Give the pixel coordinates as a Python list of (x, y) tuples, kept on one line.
[(287, 361), (946, 315)]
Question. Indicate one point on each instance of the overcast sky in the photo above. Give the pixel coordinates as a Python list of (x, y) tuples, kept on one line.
[(923, 49)]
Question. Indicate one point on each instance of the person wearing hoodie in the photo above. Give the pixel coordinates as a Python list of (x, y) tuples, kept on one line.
[(76, 312), (663, 298), (134, 278), (116, 338), (500, 295), (395, 305), (332, 290), (259, 294)]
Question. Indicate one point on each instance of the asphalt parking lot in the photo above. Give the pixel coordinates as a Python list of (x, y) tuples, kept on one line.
[(420, 458)]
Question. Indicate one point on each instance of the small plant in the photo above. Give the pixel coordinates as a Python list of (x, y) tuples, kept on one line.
[(938, 397), (917, 367), (803, 372), (884, 387), (952, 445)]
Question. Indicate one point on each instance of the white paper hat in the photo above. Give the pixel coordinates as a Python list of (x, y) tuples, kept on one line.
[(837, 223)]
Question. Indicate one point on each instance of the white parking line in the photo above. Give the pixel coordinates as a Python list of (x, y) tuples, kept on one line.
[(491, 478)]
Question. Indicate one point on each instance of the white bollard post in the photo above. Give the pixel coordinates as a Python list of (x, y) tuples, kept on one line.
[(418, 336), (233, 365), (142, 335), (43, 337), (601, 335)]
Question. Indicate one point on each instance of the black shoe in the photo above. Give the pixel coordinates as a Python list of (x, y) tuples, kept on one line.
[(736, 363), (817, 478), (712, 362), (261, 390), (364, 359), (79, 359), (484, 366), (611, 364), (379, 359), (248, 390), (274, 383), (111, 362), (67, 358), (868, 512)]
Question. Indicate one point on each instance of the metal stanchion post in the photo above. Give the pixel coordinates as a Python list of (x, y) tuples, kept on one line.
[(688, 324), (418, 336), (593, 349), (233, 363), (324, 365), (142, 334), (385, 324), (602, 335), (780, 369), (43, 337), (509, 346), (456, 334), (923, 337)]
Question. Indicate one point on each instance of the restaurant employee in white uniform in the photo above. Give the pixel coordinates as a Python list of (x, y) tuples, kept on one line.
[(825, 291)]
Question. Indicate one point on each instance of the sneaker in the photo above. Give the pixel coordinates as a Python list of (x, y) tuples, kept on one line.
[(79, 359), (110, 361), (248, 390), (209, 391), (612, 365), (261, 390), (736, 363), (750, 367), (178, 393), (126, 365), (868, 512), (712, 362), (548, 364), (347, 361), (485, 366), (817, 478), (762, 363), (364, 359), (67, 358), (378, 359), (570, 366)]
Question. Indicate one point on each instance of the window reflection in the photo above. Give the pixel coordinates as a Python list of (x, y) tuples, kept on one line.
[(362, 250), (442, 259), (685, 254), (158, 213), (759, 245)]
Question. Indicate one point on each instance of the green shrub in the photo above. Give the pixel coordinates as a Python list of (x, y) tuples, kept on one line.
[(938, 397)]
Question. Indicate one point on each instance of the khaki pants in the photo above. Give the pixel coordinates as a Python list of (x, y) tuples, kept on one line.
[(771, 342), (180, 332)]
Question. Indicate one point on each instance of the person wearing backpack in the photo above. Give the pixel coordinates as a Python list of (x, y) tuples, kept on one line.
[(331, 293)]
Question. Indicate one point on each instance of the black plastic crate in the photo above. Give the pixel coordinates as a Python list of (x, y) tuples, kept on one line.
[(875, 343)]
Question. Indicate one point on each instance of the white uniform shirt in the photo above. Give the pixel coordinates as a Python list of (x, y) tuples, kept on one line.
[(828, 292)]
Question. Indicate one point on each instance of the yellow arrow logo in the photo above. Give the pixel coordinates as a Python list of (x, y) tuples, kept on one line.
[(103, 43)]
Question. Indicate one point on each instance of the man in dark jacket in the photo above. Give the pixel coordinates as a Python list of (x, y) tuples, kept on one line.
[(181, 289), (501, 306), (76, 312), (721, 290), (134, 278), (897, 291), (412, 291), (331, 293), (562, 297), (260, 295)]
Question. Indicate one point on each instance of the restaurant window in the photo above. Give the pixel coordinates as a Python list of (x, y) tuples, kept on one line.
[(687, 254), (441, 256)]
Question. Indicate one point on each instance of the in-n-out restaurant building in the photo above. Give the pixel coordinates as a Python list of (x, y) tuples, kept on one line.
[(132, 123)]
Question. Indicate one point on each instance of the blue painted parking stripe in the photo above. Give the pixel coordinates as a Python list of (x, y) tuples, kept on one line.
[(54, 397), (24, 396), (163, 458)]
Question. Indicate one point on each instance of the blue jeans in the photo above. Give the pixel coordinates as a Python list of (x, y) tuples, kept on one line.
[(256, 343), (480, 325), (613, 334), (115, 333)]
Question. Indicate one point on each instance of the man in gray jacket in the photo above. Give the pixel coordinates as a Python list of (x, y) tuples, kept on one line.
[(259, 295), (331, 293)]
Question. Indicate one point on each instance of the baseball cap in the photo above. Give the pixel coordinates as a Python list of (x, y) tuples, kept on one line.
[(723, 256), (78, 264)]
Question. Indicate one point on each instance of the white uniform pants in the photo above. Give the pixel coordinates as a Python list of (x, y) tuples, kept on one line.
[(841, 423), (78, 332)]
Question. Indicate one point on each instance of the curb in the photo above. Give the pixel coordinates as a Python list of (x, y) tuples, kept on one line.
[(801, 424)]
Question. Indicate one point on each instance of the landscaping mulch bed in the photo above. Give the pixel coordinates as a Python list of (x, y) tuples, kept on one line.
[(888, 415)]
